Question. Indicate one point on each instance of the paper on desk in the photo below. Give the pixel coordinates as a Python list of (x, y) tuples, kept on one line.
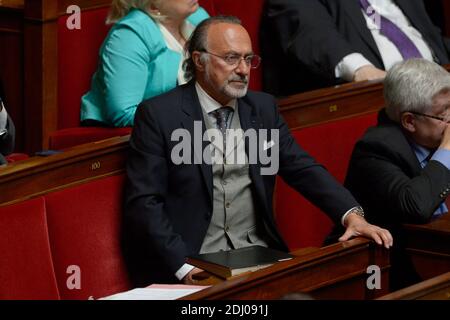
[(157, 292)]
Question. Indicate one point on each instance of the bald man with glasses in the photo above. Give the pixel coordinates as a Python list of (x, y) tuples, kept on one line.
[(399, 170)]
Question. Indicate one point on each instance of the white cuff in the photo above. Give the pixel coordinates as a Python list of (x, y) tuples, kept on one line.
[(3, 118), (347, 67), (183, 271), (345, 216)]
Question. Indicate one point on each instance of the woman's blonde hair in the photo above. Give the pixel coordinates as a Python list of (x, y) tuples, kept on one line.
[(120, 8)]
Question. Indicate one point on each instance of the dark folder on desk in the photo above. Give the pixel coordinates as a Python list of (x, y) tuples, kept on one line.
[(230, 263)]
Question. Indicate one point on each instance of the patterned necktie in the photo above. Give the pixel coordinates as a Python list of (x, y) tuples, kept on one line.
[(390, 30), (222, 116)]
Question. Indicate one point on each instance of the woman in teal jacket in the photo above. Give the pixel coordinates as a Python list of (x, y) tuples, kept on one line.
[(140, 58)]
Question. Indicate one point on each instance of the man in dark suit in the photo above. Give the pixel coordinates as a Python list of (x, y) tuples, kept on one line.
[(7, 132), (399, 170), (308, 44), (177, 208)]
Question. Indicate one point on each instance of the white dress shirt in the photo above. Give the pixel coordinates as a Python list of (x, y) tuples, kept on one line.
[(390, 55), (3, 116)]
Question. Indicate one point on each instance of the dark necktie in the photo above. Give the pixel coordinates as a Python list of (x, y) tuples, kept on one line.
[(222, 116), (407, 48)]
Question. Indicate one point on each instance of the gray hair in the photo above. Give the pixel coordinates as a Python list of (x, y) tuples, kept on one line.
[(412, 85), (199, 42), (120, 8)]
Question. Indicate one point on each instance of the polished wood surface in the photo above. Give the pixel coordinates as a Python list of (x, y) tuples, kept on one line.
[(329, 104), (83, 4), (437, 288), (429, 246), (338, 271), (40, 175), (12, 4)]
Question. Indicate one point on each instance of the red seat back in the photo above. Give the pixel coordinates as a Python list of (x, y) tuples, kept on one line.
[(208, 5), (331, 144), (26, 266), (84, 228), (77, 61)]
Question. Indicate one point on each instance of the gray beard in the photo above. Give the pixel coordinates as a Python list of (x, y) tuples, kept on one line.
[(228, 90), (233, 92)]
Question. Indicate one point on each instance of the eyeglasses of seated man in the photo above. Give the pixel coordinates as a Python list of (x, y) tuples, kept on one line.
[(234, 59), (445, 117), (429, 127)]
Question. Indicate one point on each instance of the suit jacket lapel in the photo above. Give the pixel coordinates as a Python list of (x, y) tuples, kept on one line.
[(355, 14), (193, 117)]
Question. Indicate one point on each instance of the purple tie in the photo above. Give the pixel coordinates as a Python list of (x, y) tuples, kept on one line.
[(407, 48)]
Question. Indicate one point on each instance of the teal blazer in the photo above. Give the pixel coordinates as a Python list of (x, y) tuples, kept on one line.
[(134, 64)]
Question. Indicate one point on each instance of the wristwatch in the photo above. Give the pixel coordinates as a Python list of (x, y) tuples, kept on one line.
[(358, 210)]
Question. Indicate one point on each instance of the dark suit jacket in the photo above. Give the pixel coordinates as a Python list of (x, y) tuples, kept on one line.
[(385, 176), (302, 41), (7, 141), (168, 207)]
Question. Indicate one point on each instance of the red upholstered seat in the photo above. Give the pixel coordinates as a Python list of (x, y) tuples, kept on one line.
[(84, 228), (331, 144), (26, 267), (66, 138), (77, 61)]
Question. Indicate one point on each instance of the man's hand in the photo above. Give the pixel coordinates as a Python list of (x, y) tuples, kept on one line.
[(369, 73), (358, 226), (188, 278)]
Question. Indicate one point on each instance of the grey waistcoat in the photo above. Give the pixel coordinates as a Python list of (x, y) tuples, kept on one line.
[(234, 222)]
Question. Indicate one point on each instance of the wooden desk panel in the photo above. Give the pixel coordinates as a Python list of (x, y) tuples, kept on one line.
[(429, 246), (333, 272), (40, 175), (12, 4), (437, 288), (329, 104)]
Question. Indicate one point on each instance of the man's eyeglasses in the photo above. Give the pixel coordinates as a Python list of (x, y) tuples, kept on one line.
[(251, 60), (445, 119)]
